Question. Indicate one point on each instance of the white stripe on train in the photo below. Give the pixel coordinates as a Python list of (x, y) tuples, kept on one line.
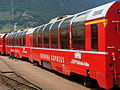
[(92, 52)]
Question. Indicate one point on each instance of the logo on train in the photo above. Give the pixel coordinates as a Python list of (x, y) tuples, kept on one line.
[(52, 57), (80, 63)]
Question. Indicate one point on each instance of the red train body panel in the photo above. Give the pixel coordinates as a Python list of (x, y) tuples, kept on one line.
[(86, 43), (2, 43)]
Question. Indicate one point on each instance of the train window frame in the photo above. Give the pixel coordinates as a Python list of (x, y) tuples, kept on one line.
[(24, 38), (46, 37), (78, 38), (35, 40), (40, 36), (118, 11), (93, 42), (79, 18), (54, 39), (19, 38), (36, 30), (65, 44)]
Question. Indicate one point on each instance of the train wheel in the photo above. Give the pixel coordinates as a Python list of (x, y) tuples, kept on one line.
[(86, 82), (35, 63)]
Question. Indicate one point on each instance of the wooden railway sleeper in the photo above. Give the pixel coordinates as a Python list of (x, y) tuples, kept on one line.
[(7, 81), (13, 83), (22, 83)]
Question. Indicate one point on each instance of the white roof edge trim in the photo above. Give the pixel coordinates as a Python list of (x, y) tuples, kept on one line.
[(30, 31), (61, 23), (2, 35), (104, 9), (51, 25)]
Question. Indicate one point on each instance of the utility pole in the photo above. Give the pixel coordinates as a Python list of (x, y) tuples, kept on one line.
[(12, 14), (12, 10), (15, 27)]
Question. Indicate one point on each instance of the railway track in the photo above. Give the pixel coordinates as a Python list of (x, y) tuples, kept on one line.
[(13, 80), (16, 82), (43, 78)]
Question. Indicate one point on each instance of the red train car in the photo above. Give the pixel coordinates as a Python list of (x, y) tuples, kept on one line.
[(17, 42), (86, 43), (2, 43)]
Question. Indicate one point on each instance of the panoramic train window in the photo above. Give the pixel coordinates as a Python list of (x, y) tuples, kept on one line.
[(35, 39), (13, 40), (46, 36), (24, 39), (8, 38), (54, 35), (19, 38), (78, 31), (35, 31), (78, 35), (64, 33), (16, 41), (94, 37), (40, 36), (0, 40)]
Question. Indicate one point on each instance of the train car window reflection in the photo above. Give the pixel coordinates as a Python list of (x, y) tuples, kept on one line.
[(46, 36), (78, 35), (54, 35), (94, 37), (64, 33), (40, 36)]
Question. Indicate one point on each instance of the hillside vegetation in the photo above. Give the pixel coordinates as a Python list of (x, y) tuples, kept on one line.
[(30, 13)]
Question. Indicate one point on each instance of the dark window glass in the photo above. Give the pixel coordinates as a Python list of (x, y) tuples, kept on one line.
[(78, 31), (40, 36), (35, 31), (54, 35), (18, 36), (46, 36), (94, 35), (35, 41), (24, 38), (12, 42), (64, 33), (31, 41), (35, 37), (0, 40), (78, 35), (15, 38), (40, 40)]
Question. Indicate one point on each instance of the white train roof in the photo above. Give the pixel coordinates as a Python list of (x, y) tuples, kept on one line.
[(100, 11), (30, 30), (1, 35), (90, 14)]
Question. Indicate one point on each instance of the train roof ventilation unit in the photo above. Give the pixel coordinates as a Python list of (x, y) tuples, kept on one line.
[(98, 12)]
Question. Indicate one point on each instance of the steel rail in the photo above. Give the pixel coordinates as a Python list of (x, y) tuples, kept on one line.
[(2, 74)]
